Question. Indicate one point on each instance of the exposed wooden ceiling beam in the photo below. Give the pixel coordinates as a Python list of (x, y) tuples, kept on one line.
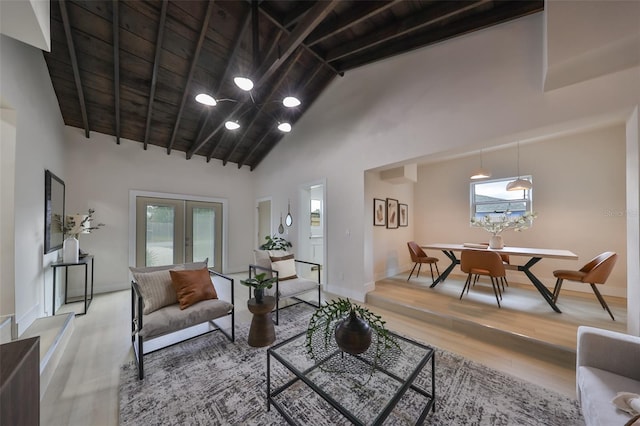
[(307, 48), (430, 16), (346, 21), (274, 88), (294, 16), (500, 12), (254, 148), (116, 66), (311, 20), (220, 125), (154, 74), (195, 146), (74, 65), (194, 61)]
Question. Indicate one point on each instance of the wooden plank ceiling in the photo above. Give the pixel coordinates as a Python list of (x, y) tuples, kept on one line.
[(132, 69)]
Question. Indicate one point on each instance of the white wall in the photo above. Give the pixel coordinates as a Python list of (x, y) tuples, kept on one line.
[(26, 87), (101, 174), (485, 87), (592, 46), (7, 208), (633, 222), (578, 192)]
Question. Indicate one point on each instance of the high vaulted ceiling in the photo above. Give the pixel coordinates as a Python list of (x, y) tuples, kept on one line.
[(132, 69)]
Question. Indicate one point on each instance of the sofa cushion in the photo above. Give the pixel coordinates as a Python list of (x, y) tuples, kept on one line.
[(192, 286), (171, 318), (597, 389), (155, 284), (285, 265)]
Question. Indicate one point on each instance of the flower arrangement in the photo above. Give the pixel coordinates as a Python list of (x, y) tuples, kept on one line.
[(77, 224), (496, 223)]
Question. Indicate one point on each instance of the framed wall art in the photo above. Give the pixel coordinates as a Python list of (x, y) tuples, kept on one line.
[(403, 215), (379, 212), (392, 213)]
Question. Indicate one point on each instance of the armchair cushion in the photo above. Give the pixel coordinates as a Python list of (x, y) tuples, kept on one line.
[(293, 287), (156, 289), (285, 265), (171, 318), (155, 284), (192, 286)]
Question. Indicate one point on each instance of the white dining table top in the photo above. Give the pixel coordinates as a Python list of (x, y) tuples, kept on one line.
[(514, 251)]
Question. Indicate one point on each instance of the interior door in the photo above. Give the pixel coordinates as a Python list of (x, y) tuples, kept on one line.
[(172, 231)]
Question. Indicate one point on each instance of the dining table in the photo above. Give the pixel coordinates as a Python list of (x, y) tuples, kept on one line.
[(534, 255)]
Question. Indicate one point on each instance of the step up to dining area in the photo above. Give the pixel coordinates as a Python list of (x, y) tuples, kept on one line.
[(524, 321)]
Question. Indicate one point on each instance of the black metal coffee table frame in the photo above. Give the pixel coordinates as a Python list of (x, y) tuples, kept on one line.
[(383, 414)]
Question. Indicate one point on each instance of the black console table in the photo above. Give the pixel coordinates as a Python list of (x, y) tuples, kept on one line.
[(88, 297)]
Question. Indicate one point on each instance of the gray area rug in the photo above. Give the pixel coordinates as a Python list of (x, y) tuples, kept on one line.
[(212, 381)]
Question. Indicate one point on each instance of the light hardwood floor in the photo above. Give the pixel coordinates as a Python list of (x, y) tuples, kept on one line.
[(84, 388)]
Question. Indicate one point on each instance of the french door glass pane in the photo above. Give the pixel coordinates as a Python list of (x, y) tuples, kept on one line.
[(159, 235), (203, 233)]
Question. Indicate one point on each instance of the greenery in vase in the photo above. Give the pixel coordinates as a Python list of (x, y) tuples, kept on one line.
[(325, 318), (260, 281), (77, 224), (275, 243)]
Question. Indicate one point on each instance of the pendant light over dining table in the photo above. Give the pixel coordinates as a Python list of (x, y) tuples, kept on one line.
[(481, 173), (519, 184)]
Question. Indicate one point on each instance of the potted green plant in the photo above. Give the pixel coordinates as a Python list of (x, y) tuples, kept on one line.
[(275, 243), (259, 283), (350, 327)]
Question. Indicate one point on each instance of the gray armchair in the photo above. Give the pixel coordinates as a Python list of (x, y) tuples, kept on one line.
[(288, 287)]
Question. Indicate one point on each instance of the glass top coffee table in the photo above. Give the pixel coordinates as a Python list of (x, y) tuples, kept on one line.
[(398, 385)]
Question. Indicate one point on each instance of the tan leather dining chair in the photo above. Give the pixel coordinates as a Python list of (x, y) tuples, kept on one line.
[(476, 263), (595, 272), (507, 263), (418, 256)]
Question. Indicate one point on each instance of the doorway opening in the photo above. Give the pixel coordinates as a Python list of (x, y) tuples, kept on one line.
[(312, 236)]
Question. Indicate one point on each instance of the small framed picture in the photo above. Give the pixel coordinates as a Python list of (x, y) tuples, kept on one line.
[(379, 212), (403, 215), (392, 213)]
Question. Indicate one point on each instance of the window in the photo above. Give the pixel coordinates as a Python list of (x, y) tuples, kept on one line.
[(491, 196)]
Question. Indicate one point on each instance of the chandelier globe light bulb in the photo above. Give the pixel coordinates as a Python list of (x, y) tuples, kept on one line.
[(232, 125), (206, 99), (243, 83), (291, 102)]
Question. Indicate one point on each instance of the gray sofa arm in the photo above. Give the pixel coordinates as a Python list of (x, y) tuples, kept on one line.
[(607, 350)]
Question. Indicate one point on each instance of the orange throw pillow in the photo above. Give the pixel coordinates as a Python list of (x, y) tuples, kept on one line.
[(192, 286)]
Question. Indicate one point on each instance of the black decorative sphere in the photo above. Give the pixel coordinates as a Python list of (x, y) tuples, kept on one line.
[(353, 334)]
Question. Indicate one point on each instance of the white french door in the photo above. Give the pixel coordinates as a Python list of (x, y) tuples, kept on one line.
[(172, 231)]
